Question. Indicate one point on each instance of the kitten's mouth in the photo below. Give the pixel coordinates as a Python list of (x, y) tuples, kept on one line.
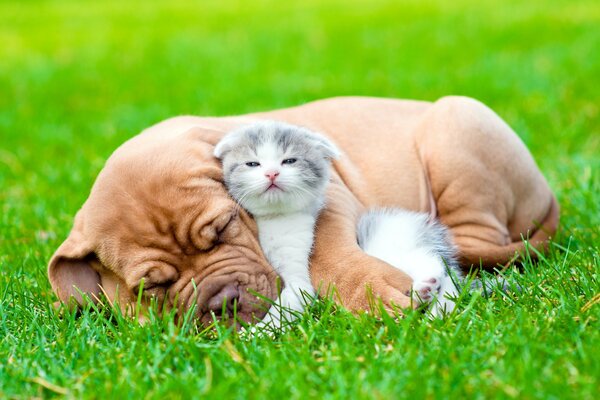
[(273, 186)]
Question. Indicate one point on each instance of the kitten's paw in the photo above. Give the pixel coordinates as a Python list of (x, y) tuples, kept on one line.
[(266, 328), (282, 313), (428, 273), (425, 291), (439, 292)]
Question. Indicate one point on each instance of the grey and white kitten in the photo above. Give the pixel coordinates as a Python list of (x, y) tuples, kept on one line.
[(279, 173), (418, 245)]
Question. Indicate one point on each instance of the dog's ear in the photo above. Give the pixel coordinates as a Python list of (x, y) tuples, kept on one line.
[(70, 269)]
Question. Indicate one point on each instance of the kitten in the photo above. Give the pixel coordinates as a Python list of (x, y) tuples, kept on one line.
[(279, 173), (420, 247)]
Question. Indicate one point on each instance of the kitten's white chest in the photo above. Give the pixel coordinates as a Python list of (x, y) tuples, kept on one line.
[(286, 239)]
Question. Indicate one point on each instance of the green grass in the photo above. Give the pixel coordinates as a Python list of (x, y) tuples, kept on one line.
[(77, 79)]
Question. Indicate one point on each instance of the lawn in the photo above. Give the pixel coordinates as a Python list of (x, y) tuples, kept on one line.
[(79, 78)]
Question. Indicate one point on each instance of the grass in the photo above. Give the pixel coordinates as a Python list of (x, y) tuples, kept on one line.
[(78, 78)]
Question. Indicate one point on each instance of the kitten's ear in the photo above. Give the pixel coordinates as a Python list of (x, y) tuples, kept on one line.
[(330, 150), (225, 145)]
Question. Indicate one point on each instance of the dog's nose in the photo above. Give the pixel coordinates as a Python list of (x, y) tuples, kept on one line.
[(225, 301), (272, 175)]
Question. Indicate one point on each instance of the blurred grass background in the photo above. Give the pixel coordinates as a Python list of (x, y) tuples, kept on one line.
[(79, 78)]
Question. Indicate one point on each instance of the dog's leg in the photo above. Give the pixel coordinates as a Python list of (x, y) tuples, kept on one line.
[(358, 278)]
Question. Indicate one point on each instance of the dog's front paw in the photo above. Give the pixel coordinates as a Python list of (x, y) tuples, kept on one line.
[(387, 287)]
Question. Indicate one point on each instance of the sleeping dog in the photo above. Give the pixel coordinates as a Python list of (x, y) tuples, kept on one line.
[(159, 220)]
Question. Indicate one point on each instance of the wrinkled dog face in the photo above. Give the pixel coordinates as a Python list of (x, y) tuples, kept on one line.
[(160, 215)]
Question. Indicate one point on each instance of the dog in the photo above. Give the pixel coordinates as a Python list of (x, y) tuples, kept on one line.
[(158, 220)]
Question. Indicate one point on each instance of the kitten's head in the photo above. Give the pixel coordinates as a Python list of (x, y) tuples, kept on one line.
[(275, 168)]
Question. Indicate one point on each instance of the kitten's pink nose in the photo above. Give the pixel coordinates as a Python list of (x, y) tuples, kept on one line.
[(272, 175)]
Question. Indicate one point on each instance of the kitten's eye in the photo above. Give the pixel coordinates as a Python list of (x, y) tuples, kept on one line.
[(253, 164), (289, 161)]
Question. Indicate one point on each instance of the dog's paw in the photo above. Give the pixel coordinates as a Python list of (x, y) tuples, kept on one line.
[(385, 285)]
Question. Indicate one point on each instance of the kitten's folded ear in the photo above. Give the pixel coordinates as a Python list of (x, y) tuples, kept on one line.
[(226, 144), (330, 150)]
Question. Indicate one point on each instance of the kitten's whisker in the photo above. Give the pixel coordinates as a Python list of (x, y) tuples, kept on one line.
[(298, 191), (240, 200)]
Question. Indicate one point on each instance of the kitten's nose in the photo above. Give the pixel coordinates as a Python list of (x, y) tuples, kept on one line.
[(272, 175)]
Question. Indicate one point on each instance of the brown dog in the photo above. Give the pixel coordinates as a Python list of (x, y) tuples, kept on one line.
[(159, 210)]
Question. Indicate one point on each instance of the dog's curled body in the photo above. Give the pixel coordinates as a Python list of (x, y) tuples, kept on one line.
[(159, 211)]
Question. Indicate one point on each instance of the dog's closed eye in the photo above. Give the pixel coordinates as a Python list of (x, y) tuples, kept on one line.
[(157, 277), (208, 234)]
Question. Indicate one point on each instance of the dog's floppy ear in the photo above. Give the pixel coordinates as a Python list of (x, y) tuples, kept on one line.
[(70, 268)]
